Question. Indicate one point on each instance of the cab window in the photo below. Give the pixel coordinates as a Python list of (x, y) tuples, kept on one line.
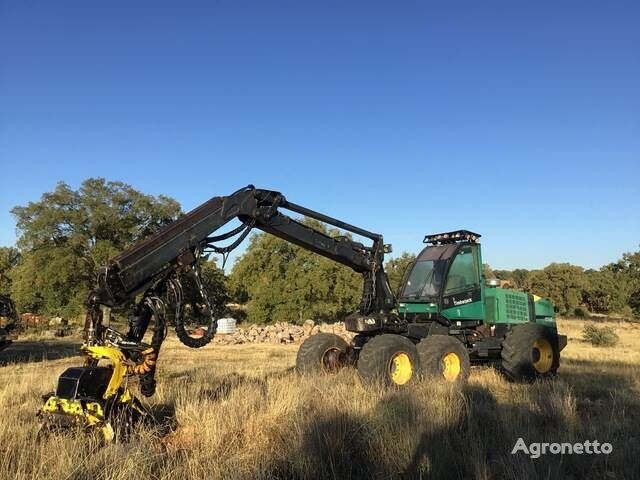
[(425, 279), (464, 271)]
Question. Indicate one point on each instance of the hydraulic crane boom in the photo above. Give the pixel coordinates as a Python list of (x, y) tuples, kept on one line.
[(153, 268), (136, 268)]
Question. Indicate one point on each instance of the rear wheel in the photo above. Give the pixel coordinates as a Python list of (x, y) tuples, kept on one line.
[(322, 352), (445, 358), (530, 351), (389, 359)]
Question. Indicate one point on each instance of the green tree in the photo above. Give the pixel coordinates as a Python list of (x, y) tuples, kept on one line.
[(9, 258), (488, 272), (280, 281), (628, 269), (215, 285), (66, 235), (607, 290), (396, 269), (563, 283), (517, 278)]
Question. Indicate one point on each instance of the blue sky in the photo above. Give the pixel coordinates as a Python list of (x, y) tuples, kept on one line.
[(519, 120)]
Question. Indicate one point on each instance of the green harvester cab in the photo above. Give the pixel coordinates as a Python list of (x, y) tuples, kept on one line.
[(444, 292)]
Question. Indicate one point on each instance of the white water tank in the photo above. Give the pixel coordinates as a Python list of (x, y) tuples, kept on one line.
[(227, 325)]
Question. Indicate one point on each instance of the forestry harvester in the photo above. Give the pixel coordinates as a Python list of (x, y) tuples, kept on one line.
[(442, 320)]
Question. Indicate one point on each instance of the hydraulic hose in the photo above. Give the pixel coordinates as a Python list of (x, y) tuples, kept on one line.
[(147, 365), (146, 369)]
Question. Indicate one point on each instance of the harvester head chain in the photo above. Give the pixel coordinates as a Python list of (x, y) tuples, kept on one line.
[(180, 327)]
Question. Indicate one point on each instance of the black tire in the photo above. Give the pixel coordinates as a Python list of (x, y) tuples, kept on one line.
[(445, 358), (529, 352), (322, 352), (391, 360)]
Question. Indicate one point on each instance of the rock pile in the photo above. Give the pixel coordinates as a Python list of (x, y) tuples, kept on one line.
[(280, 332), (33, 320)]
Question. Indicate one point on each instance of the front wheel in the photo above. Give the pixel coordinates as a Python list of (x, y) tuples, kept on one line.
[(389, 360), (322, 352)]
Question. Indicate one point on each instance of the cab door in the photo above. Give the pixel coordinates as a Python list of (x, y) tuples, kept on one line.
[(462, 293)]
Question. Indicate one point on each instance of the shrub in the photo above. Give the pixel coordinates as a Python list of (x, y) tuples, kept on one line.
[(626, 312), (580, 312), (599, 336)]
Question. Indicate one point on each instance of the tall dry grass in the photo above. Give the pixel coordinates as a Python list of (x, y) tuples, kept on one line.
[(241, 412)]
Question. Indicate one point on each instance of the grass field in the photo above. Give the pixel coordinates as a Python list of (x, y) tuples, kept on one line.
[(242, 412)]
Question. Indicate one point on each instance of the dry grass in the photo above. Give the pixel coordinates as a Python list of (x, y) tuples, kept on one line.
[(242, 412)]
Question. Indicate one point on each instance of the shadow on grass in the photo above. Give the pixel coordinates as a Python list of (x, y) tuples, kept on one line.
[(608, 409), (443, 452), (162, 418), (38, 351), (222, 387), (477, 442)]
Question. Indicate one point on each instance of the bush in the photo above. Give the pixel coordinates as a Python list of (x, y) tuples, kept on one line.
[(626, 312), (600, 337), (580, 312)]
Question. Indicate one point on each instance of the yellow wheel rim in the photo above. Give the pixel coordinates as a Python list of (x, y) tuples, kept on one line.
[(451, 367), (542, 355), (401, 368)]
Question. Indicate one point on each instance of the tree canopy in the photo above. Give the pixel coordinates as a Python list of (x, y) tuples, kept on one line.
[(396, 269), (66, 235), (563, 283), (613, 289), (280, 281), (9, 258)]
